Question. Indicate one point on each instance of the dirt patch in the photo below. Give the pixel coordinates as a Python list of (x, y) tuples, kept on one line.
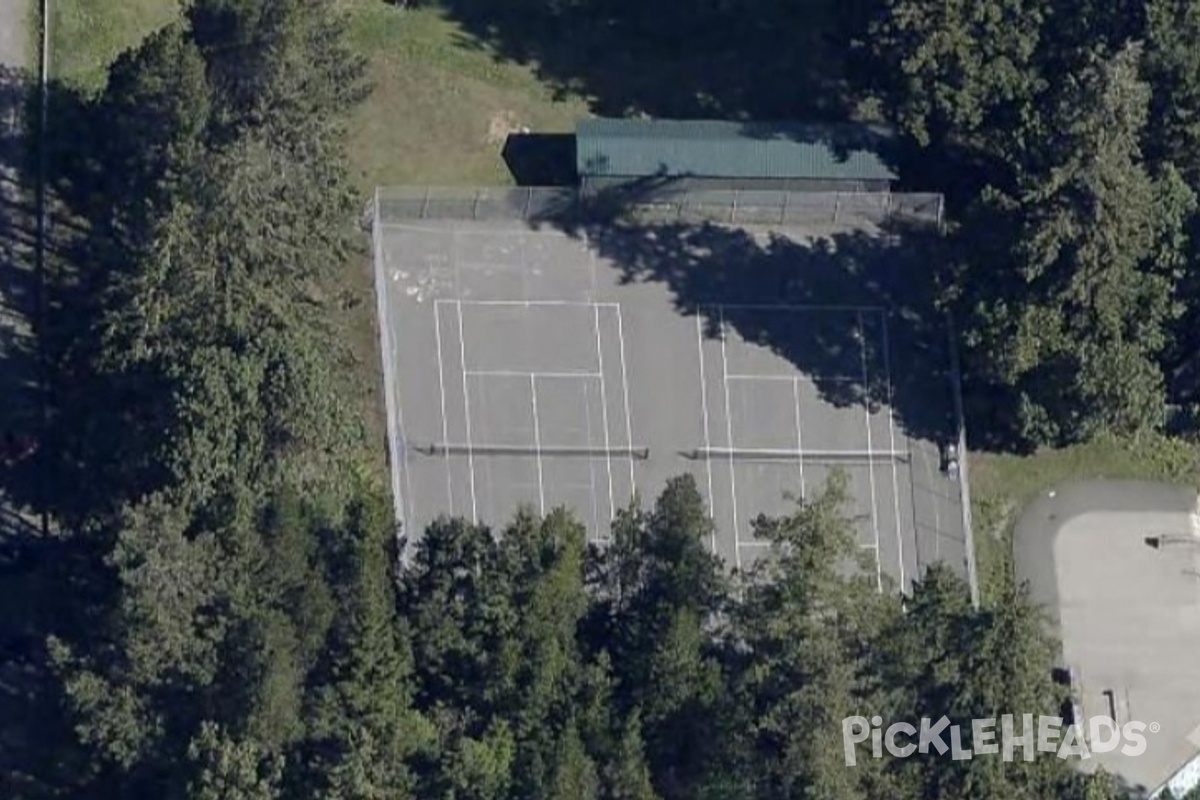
[(501, 124)]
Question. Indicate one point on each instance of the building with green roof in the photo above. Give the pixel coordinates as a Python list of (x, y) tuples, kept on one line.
[(710, 154)]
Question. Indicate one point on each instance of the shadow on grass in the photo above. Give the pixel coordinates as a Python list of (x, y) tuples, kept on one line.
[(716, 58)]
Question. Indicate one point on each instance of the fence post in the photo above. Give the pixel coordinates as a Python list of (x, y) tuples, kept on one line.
[(528, 202), (475, 203)]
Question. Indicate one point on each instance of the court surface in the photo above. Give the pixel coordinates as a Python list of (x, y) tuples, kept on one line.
[(522, 370)]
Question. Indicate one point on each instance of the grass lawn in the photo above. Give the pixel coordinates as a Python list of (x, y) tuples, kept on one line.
[(1002, 485), (439, 110), (87, 35)]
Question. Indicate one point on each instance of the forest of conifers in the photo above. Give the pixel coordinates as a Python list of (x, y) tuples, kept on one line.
[(219, 610)]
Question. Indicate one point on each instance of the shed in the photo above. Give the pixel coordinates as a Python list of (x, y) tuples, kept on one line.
[(712, 154)]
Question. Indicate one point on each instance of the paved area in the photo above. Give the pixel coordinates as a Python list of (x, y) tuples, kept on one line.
[(523, 367), (1128, 613), (13, 32)]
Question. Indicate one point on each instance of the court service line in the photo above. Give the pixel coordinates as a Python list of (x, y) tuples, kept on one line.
[(537, 445), (493, 233), (462, 346), (625, 390), (567, 303), (862, 350), (799, 434), (712, 511), (523, 374), (748, 376), (887, 376), (612, 508), (437, 333), (802, 307), (737, 536)]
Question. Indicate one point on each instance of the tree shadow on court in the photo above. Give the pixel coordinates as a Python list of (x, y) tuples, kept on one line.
[(717, 58), (720, 273)]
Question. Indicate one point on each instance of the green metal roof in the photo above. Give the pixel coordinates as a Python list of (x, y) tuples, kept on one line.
[(713, 149)]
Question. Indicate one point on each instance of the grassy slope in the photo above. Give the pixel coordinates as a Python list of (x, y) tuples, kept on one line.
[(436, 98), (437, 94), (87, 35), (1002, 485)]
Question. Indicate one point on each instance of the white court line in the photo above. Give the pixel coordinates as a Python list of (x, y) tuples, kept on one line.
[(712, 500), (790, 307), (862, 350), (512, 373), (737, 537), (937, 516), (887, 376), (775, 452), (452, 228), (437, 332), (577, 303), (748, 376), (397, 441), (462, 345), (612, 508), (591, 487), (625, 391), (537, 445), (799, 434)]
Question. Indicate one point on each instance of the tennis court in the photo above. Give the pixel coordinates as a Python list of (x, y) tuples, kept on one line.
[(522, 371)]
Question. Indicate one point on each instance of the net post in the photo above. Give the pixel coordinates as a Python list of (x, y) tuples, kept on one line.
[(783, 210), (475, 204), (425, 204), (837, 206), (734, 207)]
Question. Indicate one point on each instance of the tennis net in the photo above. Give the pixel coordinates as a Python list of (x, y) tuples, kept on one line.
[(814, 456), (442, 448)]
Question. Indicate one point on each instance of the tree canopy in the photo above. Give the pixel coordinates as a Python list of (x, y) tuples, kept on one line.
[(227, 614)]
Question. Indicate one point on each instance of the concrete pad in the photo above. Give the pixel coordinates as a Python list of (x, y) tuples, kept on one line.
[(1128, 613)]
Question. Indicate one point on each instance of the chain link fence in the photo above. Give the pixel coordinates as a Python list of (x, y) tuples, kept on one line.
[(733, 206)]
